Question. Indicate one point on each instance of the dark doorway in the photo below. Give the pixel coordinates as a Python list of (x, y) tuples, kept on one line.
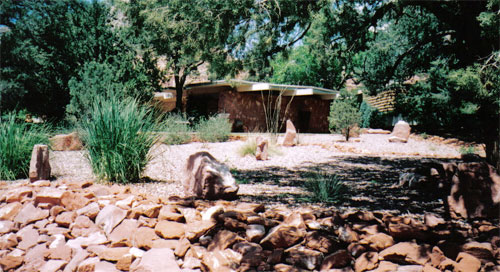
[(304, 119), (203, 105)]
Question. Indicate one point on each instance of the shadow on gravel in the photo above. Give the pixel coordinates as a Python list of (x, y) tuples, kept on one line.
[(370, 183)]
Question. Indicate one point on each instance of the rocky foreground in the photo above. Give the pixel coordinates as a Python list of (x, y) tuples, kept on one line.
[(81, 226)]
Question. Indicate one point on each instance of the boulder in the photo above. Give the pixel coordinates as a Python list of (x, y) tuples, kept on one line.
[(367, 261), (261, 149), (283, 236), (406, 253), (170, 230), (338, 259), (290, 134), (49, 195), (66, 142), (109, 217), (467, 263), (254, 232), (400, 132), (303, 257), (39, 164), (223, 239), (207, 178)]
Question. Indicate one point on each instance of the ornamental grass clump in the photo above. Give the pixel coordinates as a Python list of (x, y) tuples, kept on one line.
[(17, 139), (214, 129), (118, 136), (177, 129), (324, 188)]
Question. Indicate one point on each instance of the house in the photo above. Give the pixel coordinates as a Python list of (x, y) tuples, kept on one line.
[(246, 103)]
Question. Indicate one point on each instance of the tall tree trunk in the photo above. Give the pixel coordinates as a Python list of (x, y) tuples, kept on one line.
[(493, 153), (179, 89)]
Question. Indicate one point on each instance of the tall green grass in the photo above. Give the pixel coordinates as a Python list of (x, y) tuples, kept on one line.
[(17, 139), (250, 147), (177, 129), (214, 129), (118, 136), (324, 188)]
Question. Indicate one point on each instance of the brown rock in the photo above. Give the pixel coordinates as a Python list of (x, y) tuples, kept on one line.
[(95, 238), (88, 265), (41, 183), (34, 258), (467, 263), (66, 142), (83, 226), (157, 260), (283, 237), (207, 178), (197, 229), (49, 195), (430, 268), (432, 220), (29, 237), (385, 266), (91, 210), (276, 256), (78, 257), (482, 251), (8, 241), (347, 235), (56, 210), (406, 253), (290, 134), (11, 261), (212, 213), (53, 265), (169, 213), (254, 233), (261, 153), (367, 261), (285, 268), (10, 211), (356, 249), (246, 247), (191, 263), (30, 214), (113, 253), (61, 252), (400, 132), (304, 257), (74, 201), (78, 184), (221, 260), (39, 164), (144, 237), (109, 217), (169, 230), (124, 262), (65, 219), (182, 247), (378, 242), (318, 241), (223, 239), (340, 258)]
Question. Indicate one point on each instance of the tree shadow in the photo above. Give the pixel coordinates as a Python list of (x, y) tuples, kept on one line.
[(371, 184)]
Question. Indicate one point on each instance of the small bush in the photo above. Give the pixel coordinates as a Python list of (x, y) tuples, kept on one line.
[(250, 147), (17, 139), (177, 129), (214, 129), (324, 188), (118, 136), (466, 150), (344, 114)]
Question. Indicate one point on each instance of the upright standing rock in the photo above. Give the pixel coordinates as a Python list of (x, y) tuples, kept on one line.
[(400, 132), (261, 151), (290, 135), (39, 165), (66, 142)]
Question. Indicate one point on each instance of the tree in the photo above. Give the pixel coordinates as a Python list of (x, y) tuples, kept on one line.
[(344, 114)]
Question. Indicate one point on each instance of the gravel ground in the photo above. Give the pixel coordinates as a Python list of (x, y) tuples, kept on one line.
[(313, 150)]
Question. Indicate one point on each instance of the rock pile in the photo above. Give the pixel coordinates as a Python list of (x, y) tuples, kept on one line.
[(81, 226)]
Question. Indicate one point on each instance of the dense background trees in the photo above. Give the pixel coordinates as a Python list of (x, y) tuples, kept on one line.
[(58, 55)]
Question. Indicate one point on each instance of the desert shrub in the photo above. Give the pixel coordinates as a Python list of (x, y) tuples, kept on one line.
[(344, 114), (17, 139), (467, 150), (370, 116), (214, 129), (324, 187), (177, 129), (250, 146), (118, 136)]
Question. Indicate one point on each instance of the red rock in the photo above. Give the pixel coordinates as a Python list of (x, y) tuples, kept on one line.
[(254, 233), (196, 229), (10, 211), (191, 263), (166, 243), (378, 242), (124, 262), (304, 257), (276, 256), (385, 266), (10, 261), (212, 213), (341, 258), (144, 237), (29, 238), (318, 241), (18, 194), (6, 226), (406, 253), (169, 230), (221, 260), (207, 178), (34, 258), (52, 266), (151, 210), (223, 239), (96, 238), (182, 247), (49, 195), (367, 261), (78, 184), (347, 235), (41, 183), (356, 249), (432, 220), (169, 213), (114, 253), (30, 214), (8, 241), (400, 132), (74, 201), (290, 134), (83, 226), (66, 142), (65, 219), (88, 265), (91, 210), (124, 232), (157, 260), (482, 251), (61, 252), (109, 217), (261, 153), (283, 237), (78, 257), (39, 164), (285, 268), (56, 210), (467, 263), (126, 202)]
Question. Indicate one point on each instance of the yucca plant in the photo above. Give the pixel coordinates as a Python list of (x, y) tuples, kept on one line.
[(17, 139), (118, 136), (324, 187)]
